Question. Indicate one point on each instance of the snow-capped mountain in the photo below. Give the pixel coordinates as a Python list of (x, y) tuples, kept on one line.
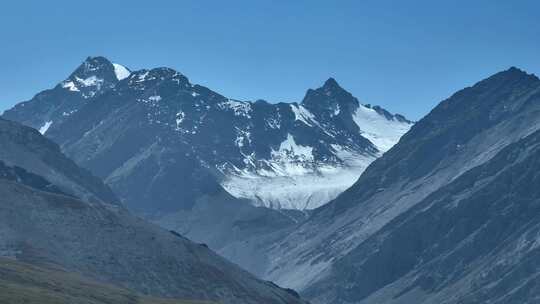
[(285, 155), (95, 76), (323, 145), (448, 215)]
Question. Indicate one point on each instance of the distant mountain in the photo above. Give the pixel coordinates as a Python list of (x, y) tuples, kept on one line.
[(161, 142), (40, 224), (448, 215)]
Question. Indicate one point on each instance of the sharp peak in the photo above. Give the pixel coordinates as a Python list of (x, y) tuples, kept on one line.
[(91, 65), (96, 61), (332, 87), (331, 83), (511, 73), (507, 76), (101, 60), (515, 69), (97, 58)]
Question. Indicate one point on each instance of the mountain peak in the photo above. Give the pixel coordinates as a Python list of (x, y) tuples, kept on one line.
[(332, 87), (97, 60), (331, 83), (329, 98), (94, 66), (91, 77), (511, 73)]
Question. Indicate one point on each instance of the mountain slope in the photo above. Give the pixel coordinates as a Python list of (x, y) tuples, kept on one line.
[(24, 147), (482, 245), (41, 224), (32, 284), (110, 245), (461, 133), (130, 133)]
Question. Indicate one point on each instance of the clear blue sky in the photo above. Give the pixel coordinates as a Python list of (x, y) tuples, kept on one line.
[(403, 55)]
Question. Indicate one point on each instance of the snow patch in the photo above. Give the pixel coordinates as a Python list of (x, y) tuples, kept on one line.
[(382, 132), (68, 113), (45, 127), (142, 77), (121, 71), (154, 98), (70, 86), (302, 114), (240, 108), (289, 150), (337, 110), (90, 81), (241, 138)]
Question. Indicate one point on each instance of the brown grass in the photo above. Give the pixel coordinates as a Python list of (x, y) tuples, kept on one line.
[(22, 283)]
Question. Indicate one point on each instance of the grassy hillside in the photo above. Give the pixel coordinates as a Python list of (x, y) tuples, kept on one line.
[(29, 284)]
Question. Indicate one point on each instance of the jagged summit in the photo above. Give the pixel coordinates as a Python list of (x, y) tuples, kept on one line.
[(253, 147), (101, 68), (330, 84), (330, 98), (95, 66), (511, 73)]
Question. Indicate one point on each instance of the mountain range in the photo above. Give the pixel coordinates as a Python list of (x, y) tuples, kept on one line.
[(340, 201), (153, 137)]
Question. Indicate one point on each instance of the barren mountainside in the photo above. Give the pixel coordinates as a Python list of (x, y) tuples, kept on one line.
[(330, 256), (42, 224)]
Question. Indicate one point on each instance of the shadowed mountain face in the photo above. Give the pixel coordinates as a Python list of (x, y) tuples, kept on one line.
[(335, 247), (24, 148), (40, 224), (161, 142), (475, 240)]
